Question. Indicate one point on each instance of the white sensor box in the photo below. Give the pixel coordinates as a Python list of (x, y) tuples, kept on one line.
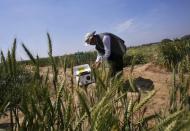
[(83, 75)]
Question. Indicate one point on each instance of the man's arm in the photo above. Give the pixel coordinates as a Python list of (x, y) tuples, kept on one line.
[(99, 57), (107, 47), (98, 60)]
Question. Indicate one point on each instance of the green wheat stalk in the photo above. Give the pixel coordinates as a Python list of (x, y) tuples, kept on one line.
[(14, 57), (29, 54), (3, 60), (83, 101), (144, 101), (9, 63), (169, 119)]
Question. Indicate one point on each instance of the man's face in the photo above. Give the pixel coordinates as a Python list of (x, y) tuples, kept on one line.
[(92, 40)]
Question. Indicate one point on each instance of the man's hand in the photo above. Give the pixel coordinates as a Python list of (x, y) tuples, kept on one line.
[(96, 64)]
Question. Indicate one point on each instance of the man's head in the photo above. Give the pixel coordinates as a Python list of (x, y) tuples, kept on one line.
[(90, 38)]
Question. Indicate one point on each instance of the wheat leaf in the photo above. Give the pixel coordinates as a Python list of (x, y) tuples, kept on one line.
[(144, 101), (169, 119), (29, 54), (84, 104)]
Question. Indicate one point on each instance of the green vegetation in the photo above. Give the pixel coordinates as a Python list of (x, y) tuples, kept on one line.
[(76, 59), (57, 103), (143, 54), (170, 54)]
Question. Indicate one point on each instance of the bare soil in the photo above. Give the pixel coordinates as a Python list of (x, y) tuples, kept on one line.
[(162, 82)]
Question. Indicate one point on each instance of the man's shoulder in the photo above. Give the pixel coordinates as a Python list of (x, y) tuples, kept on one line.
[(110, 35), (105, 33)]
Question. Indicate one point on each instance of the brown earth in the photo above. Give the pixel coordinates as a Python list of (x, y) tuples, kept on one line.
[(160, 78)]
